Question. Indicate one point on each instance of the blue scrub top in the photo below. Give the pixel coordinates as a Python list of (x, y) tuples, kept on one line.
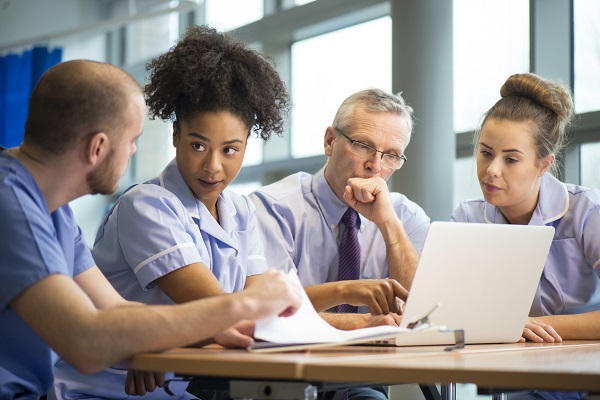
[(34, 244), (570, 282), (153, 229)]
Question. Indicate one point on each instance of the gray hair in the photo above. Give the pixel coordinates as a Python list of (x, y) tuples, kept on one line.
[(373, 100)]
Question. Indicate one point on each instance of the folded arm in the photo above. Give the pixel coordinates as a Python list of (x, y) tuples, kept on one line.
[(584, 326)]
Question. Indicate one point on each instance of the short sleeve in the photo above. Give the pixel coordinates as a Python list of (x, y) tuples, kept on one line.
[(155, 233), (589, 238), (414, 219), (35, 244), (469, 211)]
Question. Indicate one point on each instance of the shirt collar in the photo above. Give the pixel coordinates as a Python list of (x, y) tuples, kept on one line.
[(553, 204), (227, 212), (170, 178), (331, 206), (221, 231), (554, 199)]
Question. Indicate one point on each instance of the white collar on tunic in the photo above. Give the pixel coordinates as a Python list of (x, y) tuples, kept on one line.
[(553, 204), (170, 178)]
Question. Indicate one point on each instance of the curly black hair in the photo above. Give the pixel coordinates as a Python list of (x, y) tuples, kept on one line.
[(208, 71)]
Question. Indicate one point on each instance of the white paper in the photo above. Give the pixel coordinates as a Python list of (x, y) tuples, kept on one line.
[(306, 326)]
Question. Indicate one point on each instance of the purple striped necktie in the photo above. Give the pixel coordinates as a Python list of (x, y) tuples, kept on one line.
[(349, 266)]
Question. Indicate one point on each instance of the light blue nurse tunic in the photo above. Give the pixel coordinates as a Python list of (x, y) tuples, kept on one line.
[(570, 282), (153, 229), (158, 227)]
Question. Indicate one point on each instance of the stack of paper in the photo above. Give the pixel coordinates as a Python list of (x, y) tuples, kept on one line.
[(306, 329)]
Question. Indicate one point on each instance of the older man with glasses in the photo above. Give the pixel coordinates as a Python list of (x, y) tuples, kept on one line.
[(303, 218), (354, 244)]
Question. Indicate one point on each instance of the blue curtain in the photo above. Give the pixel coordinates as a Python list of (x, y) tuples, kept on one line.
[(18, 76)]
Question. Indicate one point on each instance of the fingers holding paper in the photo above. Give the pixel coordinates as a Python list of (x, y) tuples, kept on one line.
[(238, 336), (539, 332), (274, 293)]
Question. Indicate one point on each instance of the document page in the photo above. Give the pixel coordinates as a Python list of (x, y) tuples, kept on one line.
[(306, 326)]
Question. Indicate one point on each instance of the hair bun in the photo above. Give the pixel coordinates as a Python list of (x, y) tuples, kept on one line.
[(552, 95)]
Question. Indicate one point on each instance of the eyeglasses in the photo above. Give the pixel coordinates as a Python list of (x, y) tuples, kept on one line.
[(366, 151)]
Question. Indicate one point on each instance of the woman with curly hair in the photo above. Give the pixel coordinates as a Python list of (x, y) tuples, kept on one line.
[(182, 235)]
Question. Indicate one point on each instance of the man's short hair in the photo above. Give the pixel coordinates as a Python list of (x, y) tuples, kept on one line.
[(373, 100), (75, 99)]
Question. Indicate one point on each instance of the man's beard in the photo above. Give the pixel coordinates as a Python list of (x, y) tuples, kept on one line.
[(102, 180)]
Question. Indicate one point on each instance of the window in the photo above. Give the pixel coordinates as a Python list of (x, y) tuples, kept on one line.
[(226, 15), (587, 55), (328, 68), (92, 47), (254, 150), (491, 42), (590, 165), (151, 37)]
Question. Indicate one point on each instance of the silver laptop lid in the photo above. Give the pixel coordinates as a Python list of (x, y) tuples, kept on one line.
[(484, 276)]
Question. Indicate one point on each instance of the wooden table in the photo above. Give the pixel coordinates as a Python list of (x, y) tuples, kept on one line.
[(571, 365)]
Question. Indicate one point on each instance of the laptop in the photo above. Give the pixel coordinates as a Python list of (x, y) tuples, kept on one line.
[(480, 278), (474, 284)]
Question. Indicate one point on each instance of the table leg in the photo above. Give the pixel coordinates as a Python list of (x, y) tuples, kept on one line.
[(449, 391)]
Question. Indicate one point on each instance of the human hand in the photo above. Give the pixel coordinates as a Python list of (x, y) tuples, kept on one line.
[(371, 198), (382, 296), (539, 332), (273, 293), (238, 336), (350, 321), (138, 383), (377, 320)]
